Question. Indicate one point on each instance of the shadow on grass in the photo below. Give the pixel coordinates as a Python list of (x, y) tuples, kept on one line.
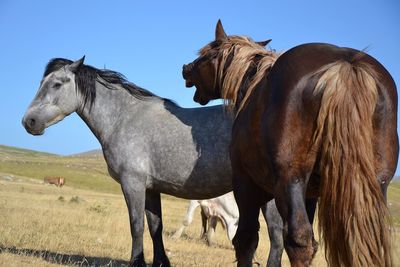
[(65, 259)]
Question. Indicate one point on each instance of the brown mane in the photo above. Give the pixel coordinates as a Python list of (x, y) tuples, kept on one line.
[(235, 56)]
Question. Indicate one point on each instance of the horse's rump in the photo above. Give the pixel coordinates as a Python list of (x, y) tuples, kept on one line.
[(352, 205)]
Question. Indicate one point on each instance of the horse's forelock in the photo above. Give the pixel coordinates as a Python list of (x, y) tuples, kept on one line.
[(227, 43), (55, 64)]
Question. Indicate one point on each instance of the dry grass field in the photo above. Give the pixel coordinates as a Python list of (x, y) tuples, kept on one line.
[(81, 224)]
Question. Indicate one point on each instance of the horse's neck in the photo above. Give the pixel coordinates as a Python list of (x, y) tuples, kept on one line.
[(253, 81), (244, 87), (107, 110)]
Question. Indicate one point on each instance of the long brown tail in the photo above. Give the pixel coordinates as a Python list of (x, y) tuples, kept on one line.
[(353, 216)]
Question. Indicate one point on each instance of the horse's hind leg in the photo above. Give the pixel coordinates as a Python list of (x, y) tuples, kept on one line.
[(386, 150), (249, 198), (204, 221), (154, 221), (212, 224), (193, 204), (275, 228), (297, 230), (311, 205)]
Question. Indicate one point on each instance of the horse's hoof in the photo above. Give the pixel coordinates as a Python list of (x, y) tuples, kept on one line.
[(138, 261), (164, 263)]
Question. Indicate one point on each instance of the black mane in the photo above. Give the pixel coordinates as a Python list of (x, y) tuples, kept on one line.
[(86, 76)]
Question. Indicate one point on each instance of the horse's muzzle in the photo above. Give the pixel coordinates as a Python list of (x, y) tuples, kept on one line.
[(186, 71), (31, 126)]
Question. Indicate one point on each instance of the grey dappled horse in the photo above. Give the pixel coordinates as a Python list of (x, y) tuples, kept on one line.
[(150, 144)]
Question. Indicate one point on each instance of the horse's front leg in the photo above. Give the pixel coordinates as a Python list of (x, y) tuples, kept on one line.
[(154, 221), (134, 192)]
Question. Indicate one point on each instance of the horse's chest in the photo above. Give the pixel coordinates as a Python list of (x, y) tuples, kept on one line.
[(114, 175)]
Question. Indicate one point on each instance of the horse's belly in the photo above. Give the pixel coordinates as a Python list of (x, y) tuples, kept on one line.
[(189, 191), (200, 182)]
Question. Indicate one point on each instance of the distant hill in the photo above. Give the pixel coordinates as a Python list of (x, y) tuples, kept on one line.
[(16, 150), (90, 153), (87, 170)]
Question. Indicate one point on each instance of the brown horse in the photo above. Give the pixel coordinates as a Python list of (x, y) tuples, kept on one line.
[(317, 121)]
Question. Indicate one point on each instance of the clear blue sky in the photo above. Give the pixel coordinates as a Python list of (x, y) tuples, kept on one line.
[(148, 41)]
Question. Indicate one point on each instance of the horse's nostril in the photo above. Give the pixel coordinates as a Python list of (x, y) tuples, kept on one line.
[(31, 122)]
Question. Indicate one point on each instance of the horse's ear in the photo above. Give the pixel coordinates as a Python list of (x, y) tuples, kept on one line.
[(220, 34), (76, 65), (264, 43)]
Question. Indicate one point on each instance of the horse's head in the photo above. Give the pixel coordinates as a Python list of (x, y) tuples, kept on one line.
[(202, 72), (207, 71), (56, 98)]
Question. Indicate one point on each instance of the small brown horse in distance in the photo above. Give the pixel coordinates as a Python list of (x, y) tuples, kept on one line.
[(317, 121), (58, 181)]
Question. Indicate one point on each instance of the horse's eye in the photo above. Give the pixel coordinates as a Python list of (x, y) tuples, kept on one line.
[(57, 85)]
